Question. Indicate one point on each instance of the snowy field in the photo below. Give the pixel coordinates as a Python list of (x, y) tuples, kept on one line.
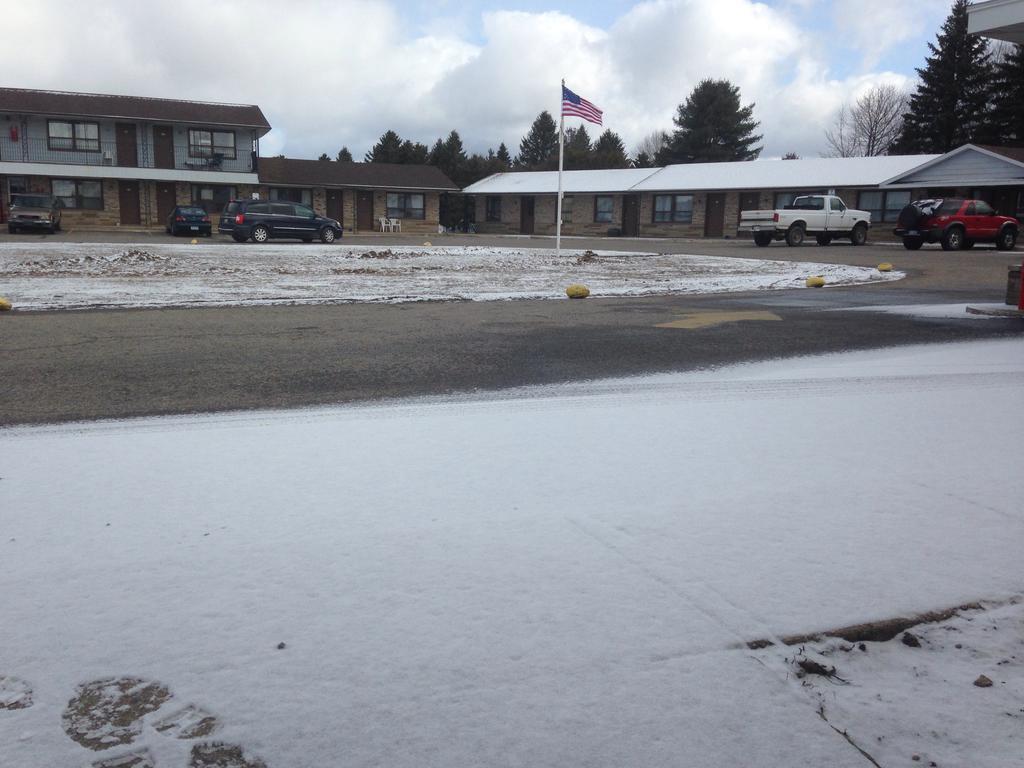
[(80, 275), (559, 576)]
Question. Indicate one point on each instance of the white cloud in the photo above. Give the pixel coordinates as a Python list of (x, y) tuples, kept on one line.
[(333, 73)]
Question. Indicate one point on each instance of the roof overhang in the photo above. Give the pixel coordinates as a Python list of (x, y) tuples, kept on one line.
[(117, 172), (895, 183), (998, 19)]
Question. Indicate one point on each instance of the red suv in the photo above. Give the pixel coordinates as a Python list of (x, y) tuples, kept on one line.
[(956, 223)]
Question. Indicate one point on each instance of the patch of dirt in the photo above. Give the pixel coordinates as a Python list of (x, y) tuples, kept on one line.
[(106, 713), (389, 254), (219, 755), (140, 759), (586, 257), (188, 723), (14, 693)]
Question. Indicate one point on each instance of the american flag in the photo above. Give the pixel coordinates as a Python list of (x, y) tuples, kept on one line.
[(574, 106)]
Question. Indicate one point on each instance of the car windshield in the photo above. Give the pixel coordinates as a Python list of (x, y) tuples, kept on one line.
[(31, 201)]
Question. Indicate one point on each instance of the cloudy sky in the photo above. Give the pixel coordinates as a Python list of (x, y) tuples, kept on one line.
[(342, 72)]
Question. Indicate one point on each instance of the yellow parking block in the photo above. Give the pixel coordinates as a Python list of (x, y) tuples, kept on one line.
[(693, 320)]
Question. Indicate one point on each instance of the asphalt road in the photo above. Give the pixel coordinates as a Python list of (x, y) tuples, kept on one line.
[(62, 366)]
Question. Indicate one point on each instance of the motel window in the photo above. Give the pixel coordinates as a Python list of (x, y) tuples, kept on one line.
[(673, 208), (204, 143), (402, 205), (493, 209), (16, 185), (285, 194), (212, 198), (567, 204), (883, 205), (79, 193), (604, 206), (78, 137)]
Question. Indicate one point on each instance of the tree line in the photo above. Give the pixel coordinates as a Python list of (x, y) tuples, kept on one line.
[(711, 126)]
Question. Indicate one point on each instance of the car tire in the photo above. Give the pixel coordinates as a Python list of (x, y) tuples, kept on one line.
[(763, 239), (327, 235), (953, 239), (238, 238), (913, 243), (1007, 239), (823, 239), (260, 234), (795, 235), (859, 235)]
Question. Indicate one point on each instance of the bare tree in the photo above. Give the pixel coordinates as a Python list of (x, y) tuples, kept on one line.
[(651, 144), (870, 126)]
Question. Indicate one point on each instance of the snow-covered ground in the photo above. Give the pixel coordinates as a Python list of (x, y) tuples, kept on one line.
[(561, 576), (79, 275)]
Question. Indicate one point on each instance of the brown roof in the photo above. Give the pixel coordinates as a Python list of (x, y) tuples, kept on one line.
[(1014, 153), (68, 104), (331, 173)]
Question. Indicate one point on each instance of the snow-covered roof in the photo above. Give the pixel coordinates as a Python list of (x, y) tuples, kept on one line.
[(812, 173), (546, 182)]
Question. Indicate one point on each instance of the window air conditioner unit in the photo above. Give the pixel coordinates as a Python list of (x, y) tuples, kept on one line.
[(108, 159)]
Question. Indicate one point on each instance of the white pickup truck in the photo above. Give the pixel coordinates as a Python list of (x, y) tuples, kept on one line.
[(824, 216)]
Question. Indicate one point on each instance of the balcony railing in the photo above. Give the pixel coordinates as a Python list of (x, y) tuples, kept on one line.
[(106, 154)]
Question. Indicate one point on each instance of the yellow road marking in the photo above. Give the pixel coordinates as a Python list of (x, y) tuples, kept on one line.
[(693, 320)]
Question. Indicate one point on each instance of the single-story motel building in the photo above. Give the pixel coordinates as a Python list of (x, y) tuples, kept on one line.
[(705, 199), (127, 161)]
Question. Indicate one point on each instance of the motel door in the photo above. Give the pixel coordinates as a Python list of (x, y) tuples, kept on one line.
[(127, 145), (526, 215), (749, 201), (165, 200), (163, 146), (714, 215), (631, 215), (128, 197), (334, 199), (364, 211)]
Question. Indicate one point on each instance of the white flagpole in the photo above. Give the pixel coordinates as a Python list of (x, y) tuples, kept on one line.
[(561, 146)]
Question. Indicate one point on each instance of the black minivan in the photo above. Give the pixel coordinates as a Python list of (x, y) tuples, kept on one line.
[(264, 219)]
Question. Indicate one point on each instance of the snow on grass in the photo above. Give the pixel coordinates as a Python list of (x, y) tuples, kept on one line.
[(546, 577), (80, 275)]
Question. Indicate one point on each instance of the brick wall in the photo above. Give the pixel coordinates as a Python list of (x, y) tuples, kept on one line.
[(651, 228), (509, 224), (110, 216)]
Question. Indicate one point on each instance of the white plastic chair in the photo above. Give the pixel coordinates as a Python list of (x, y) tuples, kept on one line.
[(385, 224), (395, 225)]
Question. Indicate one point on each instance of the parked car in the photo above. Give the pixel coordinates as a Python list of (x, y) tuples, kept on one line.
[(30, 211), (263, 219), (824, 216), (955, 222), (190, 219)]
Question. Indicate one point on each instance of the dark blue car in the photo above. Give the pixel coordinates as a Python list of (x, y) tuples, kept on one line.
[(265, 219), (189, 220)]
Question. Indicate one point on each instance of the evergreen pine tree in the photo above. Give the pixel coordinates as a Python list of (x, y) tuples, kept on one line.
[(951, 104), (609, 151), (577, 149), (323, 157), (712, 127), (1008, 98), (388, 149), (643, 160), (539, 148), (414, 153), (344, 156), (503, 157), (450, 156)]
